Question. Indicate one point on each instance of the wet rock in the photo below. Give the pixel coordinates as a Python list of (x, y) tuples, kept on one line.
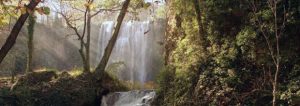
[(130, 98)]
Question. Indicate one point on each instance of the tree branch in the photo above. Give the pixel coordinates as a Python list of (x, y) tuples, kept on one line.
[(270, 48), (70, 25), (11, 40), (101, 10), (108, 50)]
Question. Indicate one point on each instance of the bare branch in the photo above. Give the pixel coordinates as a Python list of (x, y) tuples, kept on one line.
[(270, 48), (84, 24), (285, 14), (78, 9), (101, 10), (68, 35), (67, 19)]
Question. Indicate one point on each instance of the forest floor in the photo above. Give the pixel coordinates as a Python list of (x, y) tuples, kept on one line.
[(59, 89)]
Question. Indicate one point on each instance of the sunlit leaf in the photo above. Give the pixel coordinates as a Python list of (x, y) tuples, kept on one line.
[(86, 4), (46, 10), (23, 10), (40, 11), (92, 6), (147, 5)]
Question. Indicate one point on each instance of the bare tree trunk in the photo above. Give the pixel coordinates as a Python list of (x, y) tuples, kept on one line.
[(11, 40), (84, 49), (277, 63), (30, 28), (13, 72), (88, 40), (275, 56), (87, 26), (101, 66)]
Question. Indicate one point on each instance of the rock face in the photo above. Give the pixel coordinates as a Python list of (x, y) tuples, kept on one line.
[(130, 98)]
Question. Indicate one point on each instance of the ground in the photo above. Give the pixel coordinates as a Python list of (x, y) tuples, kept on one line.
[(57, 88)]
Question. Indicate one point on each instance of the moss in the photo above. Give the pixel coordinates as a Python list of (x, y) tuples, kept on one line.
[(75, 72)]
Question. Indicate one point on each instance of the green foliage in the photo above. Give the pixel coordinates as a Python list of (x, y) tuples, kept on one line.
[(236, 68), (138, 4), (291, 92), (166, 81), (161, 12), (110, 3), (75, 72), (6, 12), (46, 10), (3, 21)]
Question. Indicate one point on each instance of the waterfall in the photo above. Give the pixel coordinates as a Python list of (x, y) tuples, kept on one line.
[(130, 51), (131, 98), (136, 57)]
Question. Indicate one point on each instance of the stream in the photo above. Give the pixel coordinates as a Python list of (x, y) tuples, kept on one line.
[(130, 98)]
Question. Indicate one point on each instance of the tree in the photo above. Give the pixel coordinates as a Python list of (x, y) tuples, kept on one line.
[(30, 27), (88, 41), (10, 41), (84, 44), (107, 5), (251, 56), (103, 63), (88, 15), (200, 25), (278, 30)]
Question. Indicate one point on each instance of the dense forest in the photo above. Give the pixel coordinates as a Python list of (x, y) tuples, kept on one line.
[(149, 52)]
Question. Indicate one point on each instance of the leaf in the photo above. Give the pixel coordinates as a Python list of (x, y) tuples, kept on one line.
[(40, 11), (46, 10), (43, 10), (23, 10), (147, 5), (86, 4), (92, 6)]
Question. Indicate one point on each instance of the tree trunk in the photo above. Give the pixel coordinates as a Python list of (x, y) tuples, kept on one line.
[(277, 63), (88, 40), (82, 55), (167, 33), (200, 27), (87, 26), (275, 85), (101, 66), (30, 28), (203, 45), (10, 41)]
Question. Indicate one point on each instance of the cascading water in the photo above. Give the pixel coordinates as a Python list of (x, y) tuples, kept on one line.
[(131, 98), (136, 57), (129, 50)]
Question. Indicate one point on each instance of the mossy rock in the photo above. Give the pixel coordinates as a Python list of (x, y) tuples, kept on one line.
[(46, 88), (35, 78)]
